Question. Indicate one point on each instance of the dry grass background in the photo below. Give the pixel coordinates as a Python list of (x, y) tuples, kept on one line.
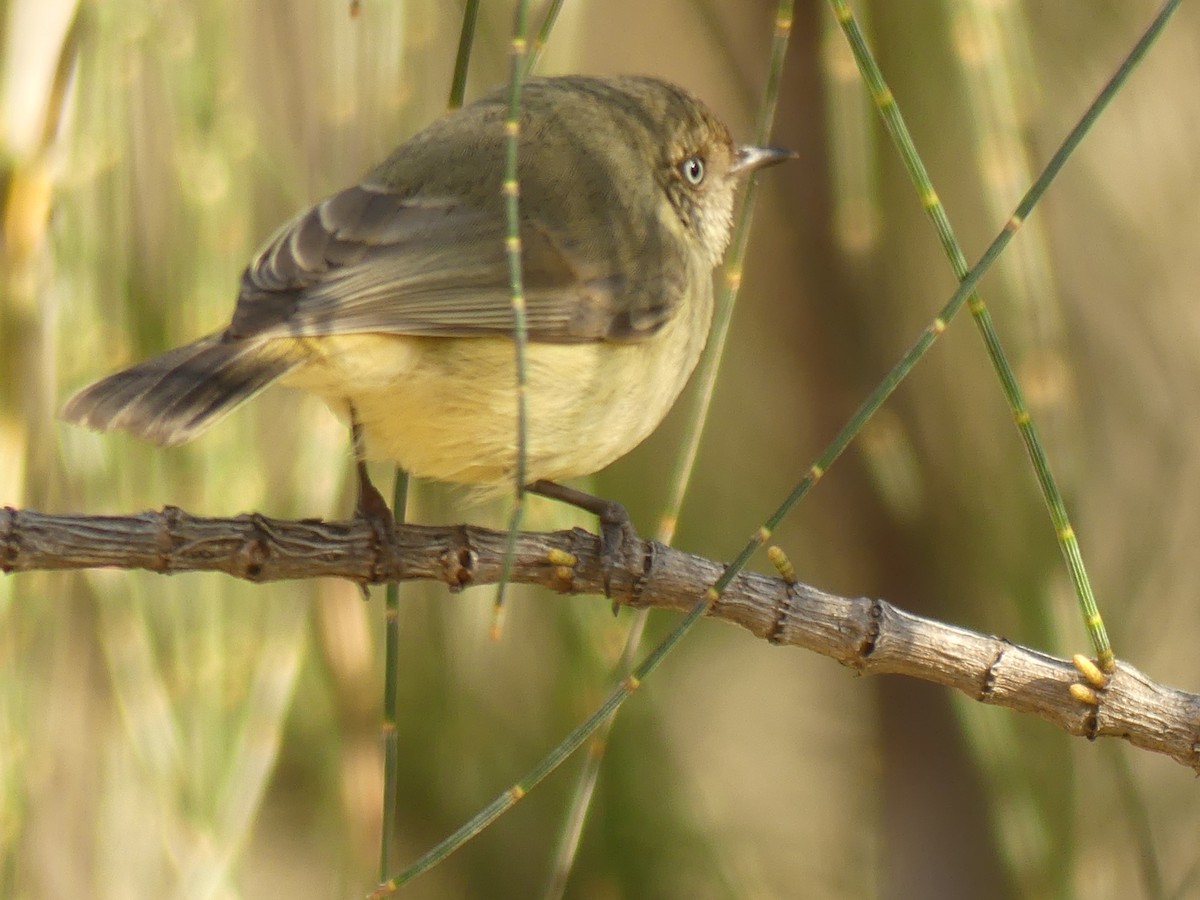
[(192, 736)]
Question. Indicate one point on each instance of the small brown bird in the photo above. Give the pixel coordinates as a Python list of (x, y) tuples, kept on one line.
[(391, 300)]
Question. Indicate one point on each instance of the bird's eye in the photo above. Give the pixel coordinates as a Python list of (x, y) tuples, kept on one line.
[(692, 169)]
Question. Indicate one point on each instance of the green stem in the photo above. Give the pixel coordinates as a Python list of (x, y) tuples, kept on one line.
[(511, 188), (685, 462), (552, 760), (543, 35), (885, 102), (466, 39), (391, 693)]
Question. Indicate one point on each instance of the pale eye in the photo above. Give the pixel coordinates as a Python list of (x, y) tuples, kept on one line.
[(692, 169)]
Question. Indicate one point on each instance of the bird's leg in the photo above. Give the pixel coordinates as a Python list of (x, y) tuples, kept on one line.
[(370, 506), (615, 525)]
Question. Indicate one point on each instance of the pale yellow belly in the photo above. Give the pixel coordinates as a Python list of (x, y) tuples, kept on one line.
[(445, 408)]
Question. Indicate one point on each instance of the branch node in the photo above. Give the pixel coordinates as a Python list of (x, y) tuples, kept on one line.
[(874, 617), (166, 540), (254, 550), (989, 674), (782, 611), (649, 561), (458, 564)]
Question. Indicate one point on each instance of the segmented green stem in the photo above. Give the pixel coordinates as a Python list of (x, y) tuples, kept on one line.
[(466, 40), (391, 692), (685, 461), (391, 615), (552, 760), (516, 283), (391, 633), (894, 121), (543, 35), (966, 286)]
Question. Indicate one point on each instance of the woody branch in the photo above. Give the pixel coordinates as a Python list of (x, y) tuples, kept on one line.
[(871, 636)]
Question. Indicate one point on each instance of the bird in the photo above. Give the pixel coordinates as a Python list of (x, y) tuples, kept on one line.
[(391, 299)]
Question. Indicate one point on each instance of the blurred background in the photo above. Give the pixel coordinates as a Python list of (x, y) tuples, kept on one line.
[(198, 737)]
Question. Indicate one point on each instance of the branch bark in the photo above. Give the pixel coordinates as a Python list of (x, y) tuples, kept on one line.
[(869, 635)]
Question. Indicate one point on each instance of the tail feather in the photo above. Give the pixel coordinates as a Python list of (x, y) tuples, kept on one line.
[(171, 398)]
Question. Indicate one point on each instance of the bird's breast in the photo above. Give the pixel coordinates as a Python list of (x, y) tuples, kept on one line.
[(446, 408)]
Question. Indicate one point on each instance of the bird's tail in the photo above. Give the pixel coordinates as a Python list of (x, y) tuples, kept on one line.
[(171, 398)]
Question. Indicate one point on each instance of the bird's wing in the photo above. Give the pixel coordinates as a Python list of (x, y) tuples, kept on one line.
[(366, 260)]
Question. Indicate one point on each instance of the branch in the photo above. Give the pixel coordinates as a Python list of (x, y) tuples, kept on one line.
[(871, 636)]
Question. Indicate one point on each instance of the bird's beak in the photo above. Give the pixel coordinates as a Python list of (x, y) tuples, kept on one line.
[(748, 159)]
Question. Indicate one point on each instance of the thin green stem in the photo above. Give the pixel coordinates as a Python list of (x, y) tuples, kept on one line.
[(685, 461), (391, 693), (391, 615), (511, 188), (466, 39), (552, 760), (543, 35), (971, 279), (885, 102), (706, 376)]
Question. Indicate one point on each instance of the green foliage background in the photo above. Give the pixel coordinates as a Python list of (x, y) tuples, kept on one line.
[(193, 736)]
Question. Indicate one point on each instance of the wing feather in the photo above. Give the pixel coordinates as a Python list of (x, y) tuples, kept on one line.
[(366, 260)]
